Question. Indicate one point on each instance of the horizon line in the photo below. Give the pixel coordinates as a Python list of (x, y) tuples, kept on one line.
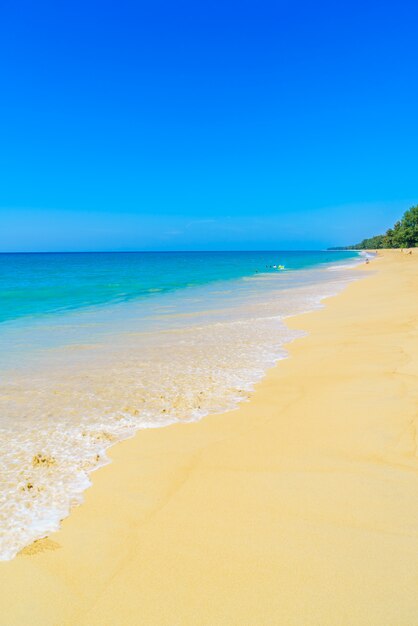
[(172, 251)]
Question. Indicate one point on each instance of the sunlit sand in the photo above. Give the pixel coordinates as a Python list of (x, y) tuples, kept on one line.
[(300, 508)]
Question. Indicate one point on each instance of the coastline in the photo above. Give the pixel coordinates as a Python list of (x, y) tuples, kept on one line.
[(297, 508), (67, 396)]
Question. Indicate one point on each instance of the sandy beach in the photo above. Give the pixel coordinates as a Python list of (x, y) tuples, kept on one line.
[(298, 509)]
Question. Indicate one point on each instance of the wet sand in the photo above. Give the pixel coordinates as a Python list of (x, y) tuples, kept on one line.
[(300, 508)]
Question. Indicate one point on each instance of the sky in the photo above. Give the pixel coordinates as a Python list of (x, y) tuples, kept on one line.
[(205, 125)]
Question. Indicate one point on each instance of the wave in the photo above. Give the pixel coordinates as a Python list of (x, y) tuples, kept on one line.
[(64, 408)]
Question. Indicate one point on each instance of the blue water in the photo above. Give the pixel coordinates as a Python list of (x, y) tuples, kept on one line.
[(94, 347), (40, 284)]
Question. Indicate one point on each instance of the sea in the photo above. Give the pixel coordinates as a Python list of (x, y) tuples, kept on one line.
[(96, 346)]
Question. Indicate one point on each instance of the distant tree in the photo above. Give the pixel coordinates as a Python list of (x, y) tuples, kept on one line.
[(404, 234), (410, 228), (387, 241)]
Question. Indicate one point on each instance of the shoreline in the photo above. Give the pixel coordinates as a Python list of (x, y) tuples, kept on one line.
[(296, 508), (223, 351)]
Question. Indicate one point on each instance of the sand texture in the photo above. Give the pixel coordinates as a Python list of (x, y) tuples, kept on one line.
[(298, 509)]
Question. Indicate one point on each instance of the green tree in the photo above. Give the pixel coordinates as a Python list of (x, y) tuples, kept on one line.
[(404, 234)]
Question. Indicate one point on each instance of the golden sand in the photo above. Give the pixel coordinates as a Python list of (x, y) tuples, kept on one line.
[(300, 508)]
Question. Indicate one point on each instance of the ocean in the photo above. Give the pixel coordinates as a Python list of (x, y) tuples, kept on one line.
[(95, 346)]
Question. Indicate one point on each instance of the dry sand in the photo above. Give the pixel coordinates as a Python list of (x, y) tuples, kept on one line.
[(300, 508)]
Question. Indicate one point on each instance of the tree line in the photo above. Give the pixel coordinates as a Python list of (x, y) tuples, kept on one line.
[(404, 234)]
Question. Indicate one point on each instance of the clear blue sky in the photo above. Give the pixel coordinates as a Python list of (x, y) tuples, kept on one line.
[(205, 125)]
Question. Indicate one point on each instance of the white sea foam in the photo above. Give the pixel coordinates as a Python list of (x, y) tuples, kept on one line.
[(107, 373)]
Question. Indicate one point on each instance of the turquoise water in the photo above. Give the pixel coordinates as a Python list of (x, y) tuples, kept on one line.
[(94, 347), (39, 284)]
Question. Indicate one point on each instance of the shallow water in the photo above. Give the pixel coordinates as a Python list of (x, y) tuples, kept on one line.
[(79, 373)]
